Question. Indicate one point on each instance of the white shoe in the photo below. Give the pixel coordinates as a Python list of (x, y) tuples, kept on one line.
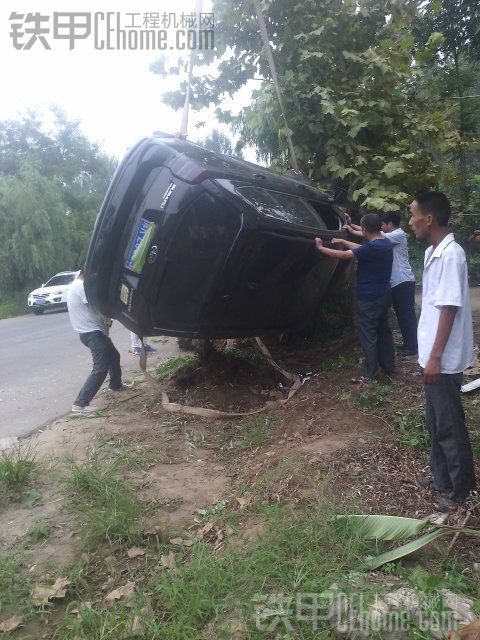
[(87, 409)]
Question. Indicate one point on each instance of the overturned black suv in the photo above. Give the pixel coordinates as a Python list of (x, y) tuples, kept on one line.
[(195, 244)]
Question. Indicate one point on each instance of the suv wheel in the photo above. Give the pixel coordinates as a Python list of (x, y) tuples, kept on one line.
[(38, 311)]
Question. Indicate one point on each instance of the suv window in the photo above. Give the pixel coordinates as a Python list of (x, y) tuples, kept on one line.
[(58, 281), (281, 206), (328, 214)]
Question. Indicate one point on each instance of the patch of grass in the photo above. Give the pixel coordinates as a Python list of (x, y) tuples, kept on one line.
[(126, 451), (249, 353), (15, 583), (19, 465), (412, 429), (32, 498), (375, 396), (255, 430), (38, 533), (15, 305), (208, 595), (339, 363), (107, 506), (281, 481), (173, 365)]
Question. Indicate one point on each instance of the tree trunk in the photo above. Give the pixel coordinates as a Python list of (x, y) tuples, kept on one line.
[(462, 155)]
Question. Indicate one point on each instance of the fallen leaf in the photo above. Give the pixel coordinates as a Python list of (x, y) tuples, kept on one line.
[(244, 502), (42, 594), (121, 592), (177, 541), (205, 529), (168, 561), (188, 543), (470, 632), (229, 531), (11, 624), (134, 552), (137, 626)]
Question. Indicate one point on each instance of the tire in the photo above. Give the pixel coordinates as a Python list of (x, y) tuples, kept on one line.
[(38, 312)]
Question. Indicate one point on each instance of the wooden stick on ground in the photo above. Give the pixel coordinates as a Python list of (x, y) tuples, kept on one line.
[(455, 537)]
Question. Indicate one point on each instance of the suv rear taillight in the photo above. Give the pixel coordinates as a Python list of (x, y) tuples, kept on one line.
[(188, 171)]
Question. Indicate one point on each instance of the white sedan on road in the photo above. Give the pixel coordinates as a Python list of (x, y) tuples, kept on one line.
[(52, 294)]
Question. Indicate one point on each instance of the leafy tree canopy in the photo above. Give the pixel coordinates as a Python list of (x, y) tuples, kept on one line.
[(349, 89), (51, 186)]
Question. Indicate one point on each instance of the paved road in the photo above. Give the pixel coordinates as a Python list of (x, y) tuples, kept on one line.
[(43, 365)]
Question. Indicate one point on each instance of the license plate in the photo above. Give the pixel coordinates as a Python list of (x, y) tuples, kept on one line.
[(124, 294), (39, 301), (143, 228)]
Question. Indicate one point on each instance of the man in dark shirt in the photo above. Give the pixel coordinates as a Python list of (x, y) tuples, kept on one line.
[(374, 260)]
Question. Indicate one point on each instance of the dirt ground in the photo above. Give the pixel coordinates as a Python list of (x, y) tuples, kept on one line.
[(349, 437)]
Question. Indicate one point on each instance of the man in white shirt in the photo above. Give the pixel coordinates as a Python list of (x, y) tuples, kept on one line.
[(445, 349), (402, 282), (93, 331)]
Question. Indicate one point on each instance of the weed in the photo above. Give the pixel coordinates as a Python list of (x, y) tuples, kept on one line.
[(281, 481), (375, 396), (249, 354), (195, 439), (339, 363), (38, 533), (19, 465), (412, 429), (107, 506), (125, 451), (255, 430), (15, 585), (173, 365), (31, 498)]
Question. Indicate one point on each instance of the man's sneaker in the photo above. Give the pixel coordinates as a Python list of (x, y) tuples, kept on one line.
[(445, 505), (135, 350), (124, 387), (150, 349), (89, 408), (405, 353)]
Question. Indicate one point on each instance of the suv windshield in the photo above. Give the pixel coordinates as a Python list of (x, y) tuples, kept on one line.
[(58, 281)]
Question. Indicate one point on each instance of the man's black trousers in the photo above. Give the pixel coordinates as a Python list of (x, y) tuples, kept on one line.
[(106, 360), (451, 459), (403, 301), (375, 335)]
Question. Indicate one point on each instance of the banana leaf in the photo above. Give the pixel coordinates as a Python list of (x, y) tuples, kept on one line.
[(377, 527), (404, 550), (385, 527)]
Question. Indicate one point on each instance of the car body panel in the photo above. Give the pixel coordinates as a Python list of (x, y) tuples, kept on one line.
[(191, 243)]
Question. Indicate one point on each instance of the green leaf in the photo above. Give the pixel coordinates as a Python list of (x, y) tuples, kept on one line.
[(435, 40), (392, 168), (377, 527), (404, 550)]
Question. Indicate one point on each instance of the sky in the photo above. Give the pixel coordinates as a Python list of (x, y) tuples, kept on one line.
[(113, 93)]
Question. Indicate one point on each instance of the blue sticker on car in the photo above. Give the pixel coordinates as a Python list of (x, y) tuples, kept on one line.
[(143, 228)]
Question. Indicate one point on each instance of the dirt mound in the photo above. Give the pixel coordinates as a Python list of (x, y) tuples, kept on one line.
[(231, 380)]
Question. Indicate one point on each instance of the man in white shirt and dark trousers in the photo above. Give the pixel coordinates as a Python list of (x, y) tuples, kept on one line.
[(445, 349), (93, 331), (402, 282)]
